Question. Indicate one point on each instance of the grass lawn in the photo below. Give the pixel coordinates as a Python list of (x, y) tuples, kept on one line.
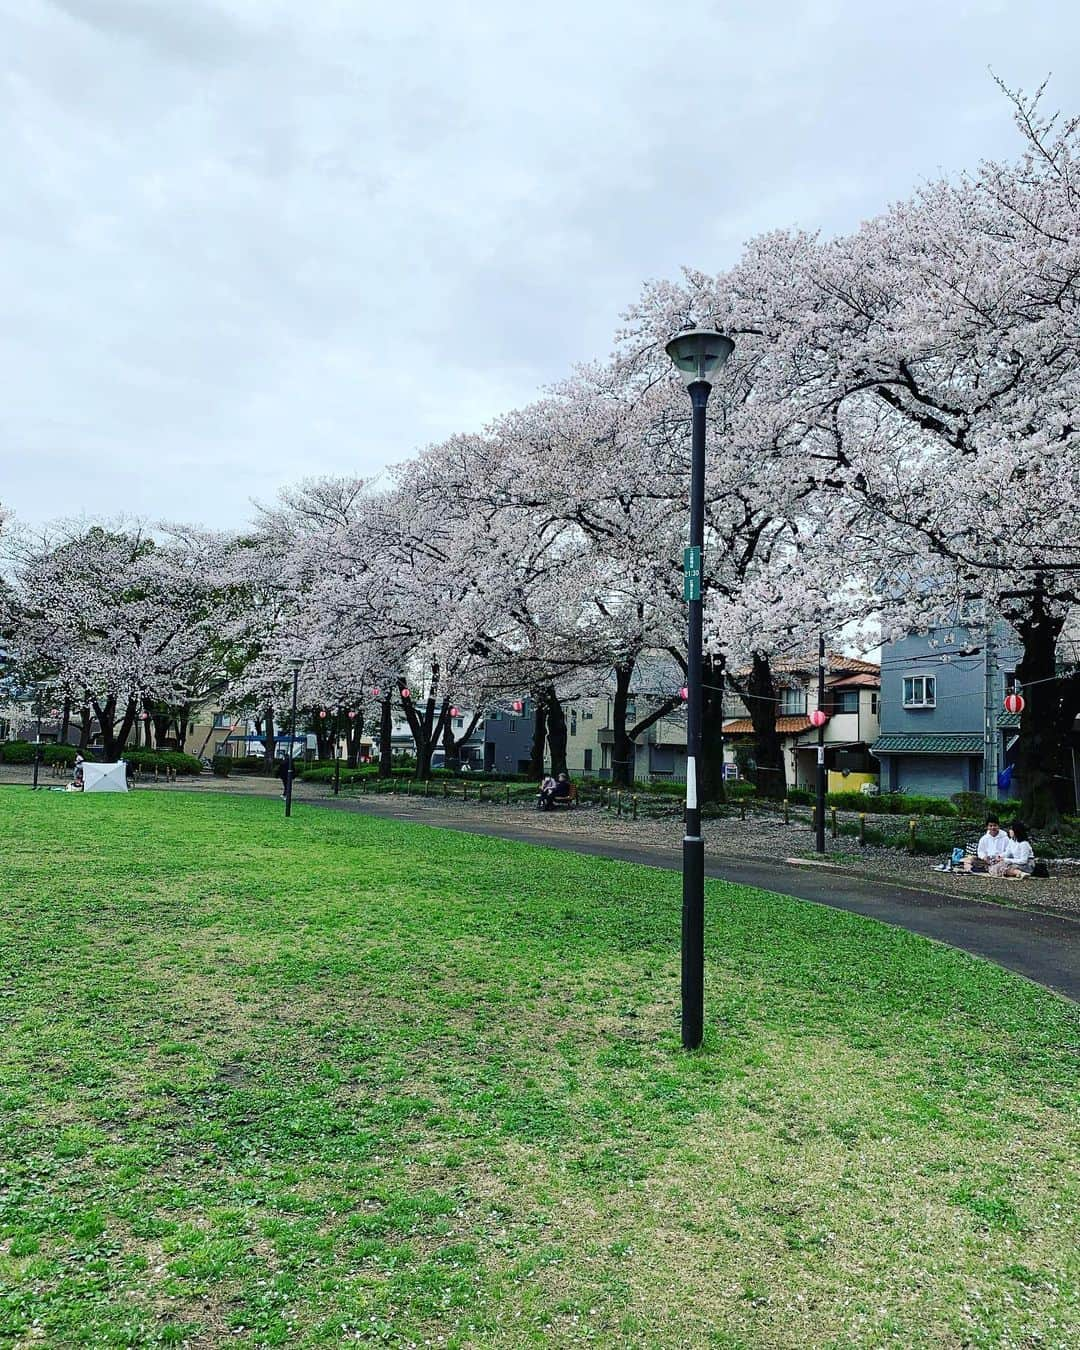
[(343, 1080)]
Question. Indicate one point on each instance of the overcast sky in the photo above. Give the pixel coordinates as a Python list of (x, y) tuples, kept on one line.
[(245, 241)]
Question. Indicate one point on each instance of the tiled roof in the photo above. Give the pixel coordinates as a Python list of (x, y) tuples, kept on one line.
[(927, 743), (1008, 721), (787, 726), (861, 680)]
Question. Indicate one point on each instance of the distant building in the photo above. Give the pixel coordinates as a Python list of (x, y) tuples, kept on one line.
[(943, 724), (852, 693)]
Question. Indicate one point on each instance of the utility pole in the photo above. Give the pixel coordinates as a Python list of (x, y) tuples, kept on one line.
[(819, 813), (990, 743)]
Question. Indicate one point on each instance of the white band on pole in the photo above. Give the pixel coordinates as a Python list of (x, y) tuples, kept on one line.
[(691, 784)]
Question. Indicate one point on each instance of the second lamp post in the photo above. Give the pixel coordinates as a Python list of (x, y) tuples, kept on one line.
[(697, 354), (296, 662)]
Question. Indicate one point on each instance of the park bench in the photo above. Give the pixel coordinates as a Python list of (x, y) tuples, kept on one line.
[(569, 800)]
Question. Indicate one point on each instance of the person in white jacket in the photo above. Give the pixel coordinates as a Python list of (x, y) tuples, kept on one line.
[(990, 849), (1019, 859)]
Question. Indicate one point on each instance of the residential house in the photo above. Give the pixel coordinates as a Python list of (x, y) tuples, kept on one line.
[(943, 725), (852, 692)]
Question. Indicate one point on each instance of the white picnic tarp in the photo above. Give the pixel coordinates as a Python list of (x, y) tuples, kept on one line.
[(105, 777)]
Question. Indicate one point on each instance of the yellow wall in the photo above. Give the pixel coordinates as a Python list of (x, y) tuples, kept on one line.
[(851, 782)]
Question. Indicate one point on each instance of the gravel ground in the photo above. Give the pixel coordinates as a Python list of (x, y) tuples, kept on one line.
[(755, 837)]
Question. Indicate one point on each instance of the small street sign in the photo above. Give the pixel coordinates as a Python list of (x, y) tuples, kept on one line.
[(692, 573)]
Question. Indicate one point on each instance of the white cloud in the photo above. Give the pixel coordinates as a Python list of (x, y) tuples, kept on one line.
[(244, 240)]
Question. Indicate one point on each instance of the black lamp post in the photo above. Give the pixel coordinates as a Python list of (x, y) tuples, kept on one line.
[(339, 727), (296, 663), (39, 707), (698, 354)]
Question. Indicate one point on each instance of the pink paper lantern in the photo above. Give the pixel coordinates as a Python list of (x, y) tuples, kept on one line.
[(684, 693), (1014, 703), (453, 712), (352, 717), (322, 712), (517, 705), (375, 693), (819, 717), (405, 694)]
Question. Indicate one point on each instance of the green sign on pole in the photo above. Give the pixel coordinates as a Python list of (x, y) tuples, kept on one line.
[(692, 573)]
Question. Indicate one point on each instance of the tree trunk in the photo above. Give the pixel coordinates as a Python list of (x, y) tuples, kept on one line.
[(264, 727), (711, 765), (354, 734), (114, 738), (86, 722), (451, 747), (65, 723), (452, 744), (325, 736), (1051, 705), (539, 736), (769, 776), (183, 713), (386, 757), (622, 747), (556, 731)]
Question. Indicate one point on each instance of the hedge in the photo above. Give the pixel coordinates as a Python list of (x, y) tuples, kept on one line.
[(147, 761), (891, 804)]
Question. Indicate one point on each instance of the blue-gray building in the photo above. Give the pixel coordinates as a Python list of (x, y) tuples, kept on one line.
[(943, 726), (508, 739)]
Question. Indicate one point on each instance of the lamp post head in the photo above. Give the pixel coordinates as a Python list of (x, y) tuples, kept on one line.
[(295, 662), (698, 354)]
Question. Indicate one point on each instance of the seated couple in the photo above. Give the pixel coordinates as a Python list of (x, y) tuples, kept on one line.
[(552, 790), (1002, 855)]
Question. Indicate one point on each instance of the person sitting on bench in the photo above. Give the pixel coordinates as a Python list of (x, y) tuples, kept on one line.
[(562, 788)]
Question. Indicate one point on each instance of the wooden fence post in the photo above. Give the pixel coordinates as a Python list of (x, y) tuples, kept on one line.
[(862, 827), (634, 800), (787, 812), (835, 825), (913, 825), (508, 794), (465, 790)]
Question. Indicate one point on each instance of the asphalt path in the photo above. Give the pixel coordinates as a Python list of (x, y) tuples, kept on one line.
[(1044, 948)]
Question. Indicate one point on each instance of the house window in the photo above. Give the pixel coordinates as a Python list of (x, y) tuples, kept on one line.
[(459, 722), (920, 691), (793, 702), (873, 702), (573, 724), (586, 716), (846, 701), (1011, 682), (512, 725), (223, 720), (588, 761)]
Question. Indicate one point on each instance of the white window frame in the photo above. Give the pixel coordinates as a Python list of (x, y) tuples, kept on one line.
[(924, 701)]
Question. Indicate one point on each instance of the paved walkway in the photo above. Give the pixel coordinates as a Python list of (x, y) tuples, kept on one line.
[(1043, 947)]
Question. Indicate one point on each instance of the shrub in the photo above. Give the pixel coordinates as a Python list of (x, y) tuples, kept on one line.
[(801, 796), (220, 765), (971, 805), (17, 752), (64, 754), (147, 761), (891, 804)]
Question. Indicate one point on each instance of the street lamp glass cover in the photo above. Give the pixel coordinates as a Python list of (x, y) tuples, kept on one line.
[(295, 662), (698, 353)]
